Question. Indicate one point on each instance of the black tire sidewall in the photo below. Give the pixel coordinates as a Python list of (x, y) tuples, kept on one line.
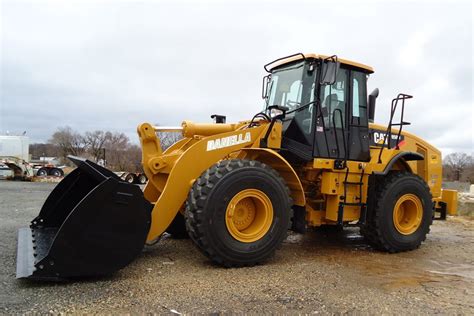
[(142, 179), (216, 205), (130, 178), (55, 172), (396, 189), (42, 172)]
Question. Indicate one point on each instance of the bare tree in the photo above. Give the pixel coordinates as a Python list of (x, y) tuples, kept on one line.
[(69, 142), (118, 152), (456, 163), (168, 138), (134, 155), (117, 140), (95, 142), (38, 150)]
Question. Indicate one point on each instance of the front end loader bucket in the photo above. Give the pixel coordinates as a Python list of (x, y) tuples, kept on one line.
[(91, 224)]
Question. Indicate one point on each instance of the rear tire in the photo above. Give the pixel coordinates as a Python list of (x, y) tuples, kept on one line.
[(238, 212), (55, 172), (402, 213)]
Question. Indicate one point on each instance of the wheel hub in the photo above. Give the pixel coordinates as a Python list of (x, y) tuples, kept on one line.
[(244, 214), (407, 214), (249, 215)]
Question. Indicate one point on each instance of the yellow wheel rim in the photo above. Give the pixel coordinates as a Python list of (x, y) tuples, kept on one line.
[(249, 215), (407, 214)]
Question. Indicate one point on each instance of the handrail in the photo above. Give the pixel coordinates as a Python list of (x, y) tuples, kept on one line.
[(342, 130), (400, 97), (276, 60)]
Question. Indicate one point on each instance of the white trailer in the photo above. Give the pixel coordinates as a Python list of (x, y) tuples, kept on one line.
[(14, 153), (15, 146)]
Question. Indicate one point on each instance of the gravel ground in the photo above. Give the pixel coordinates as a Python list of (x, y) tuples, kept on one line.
[(321, 272)]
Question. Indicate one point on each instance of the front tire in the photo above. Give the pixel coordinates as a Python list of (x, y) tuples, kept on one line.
[(403, 213), (238, 212)]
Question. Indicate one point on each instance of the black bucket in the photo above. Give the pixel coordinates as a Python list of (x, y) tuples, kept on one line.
[(91, 224)]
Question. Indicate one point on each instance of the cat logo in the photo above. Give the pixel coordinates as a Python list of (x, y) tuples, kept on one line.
[(378, 138)]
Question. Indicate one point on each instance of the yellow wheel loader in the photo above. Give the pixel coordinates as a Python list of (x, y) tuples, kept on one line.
[(312, 157)]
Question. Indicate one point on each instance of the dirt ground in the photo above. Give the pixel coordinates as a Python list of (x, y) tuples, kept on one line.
[(322, 272)]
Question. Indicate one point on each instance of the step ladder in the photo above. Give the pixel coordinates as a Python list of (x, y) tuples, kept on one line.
[(343, 203)]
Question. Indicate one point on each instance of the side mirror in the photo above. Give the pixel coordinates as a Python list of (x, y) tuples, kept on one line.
[(265, 81), (330, 67), (372, 98), (278, 111)]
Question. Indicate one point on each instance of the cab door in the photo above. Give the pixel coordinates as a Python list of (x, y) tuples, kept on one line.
[(331, 119), (342, 123), (359, 123)]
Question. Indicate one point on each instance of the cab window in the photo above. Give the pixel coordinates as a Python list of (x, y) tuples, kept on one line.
[(359, 98), (334, 100)]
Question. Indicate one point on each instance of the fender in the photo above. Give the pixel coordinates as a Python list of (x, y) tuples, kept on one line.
[(277, 162), (402, 157)]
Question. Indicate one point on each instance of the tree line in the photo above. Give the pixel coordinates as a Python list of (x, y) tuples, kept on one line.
[(458, 167), (112, 149)]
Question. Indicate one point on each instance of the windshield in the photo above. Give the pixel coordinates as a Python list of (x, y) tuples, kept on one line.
[(293, 86), (290, 87)]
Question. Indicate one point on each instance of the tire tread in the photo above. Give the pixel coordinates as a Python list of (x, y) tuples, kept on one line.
[(373, 230), (198, 195)]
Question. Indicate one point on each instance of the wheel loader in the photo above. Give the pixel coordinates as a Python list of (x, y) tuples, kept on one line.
[(312, 157)]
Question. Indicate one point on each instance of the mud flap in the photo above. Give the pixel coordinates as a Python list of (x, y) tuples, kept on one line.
[(91, 224)]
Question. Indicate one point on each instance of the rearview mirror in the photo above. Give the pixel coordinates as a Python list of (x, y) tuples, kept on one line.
[(329, 72), (265, 81), (372, 98)]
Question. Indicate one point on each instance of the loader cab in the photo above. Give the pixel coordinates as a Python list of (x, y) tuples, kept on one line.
[(327, 113)]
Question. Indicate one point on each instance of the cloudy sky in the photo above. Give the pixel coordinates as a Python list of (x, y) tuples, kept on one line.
[(111, 65)]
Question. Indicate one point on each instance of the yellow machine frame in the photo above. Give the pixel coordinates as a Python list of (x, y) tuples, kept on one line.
[(236, 189), (171, 173)]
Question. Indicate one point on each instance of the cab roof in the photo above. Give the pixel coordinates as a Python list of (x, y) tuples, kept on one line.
[(289, 59)]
